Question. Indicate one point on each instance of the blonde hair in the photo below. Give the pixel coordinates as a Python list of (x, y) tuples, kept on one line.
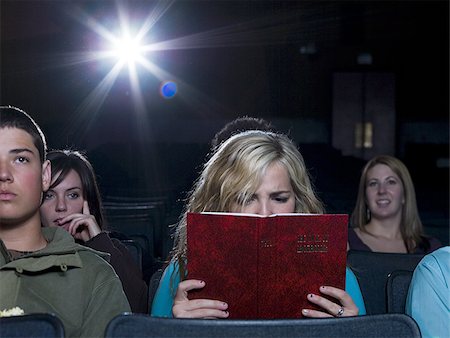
[(411, 227), (234, 173)]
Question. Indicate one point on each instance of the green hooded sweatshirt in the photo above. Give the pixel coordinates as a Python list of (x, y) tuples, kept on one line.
[(70, 280)]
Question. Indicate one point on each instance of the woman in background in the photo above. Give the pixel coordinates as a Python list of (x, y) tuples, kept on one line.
[(252, 172), (386, 218), (73, 202)]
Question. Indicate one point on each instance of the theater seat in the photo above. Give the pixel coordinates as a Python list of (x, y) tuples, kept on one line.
[(372, 270), (397, 290), (376, 326), (42, 325), (153, 287)]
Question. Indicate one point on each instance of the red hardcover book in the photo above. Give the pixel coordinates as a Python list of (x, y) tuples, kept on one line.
[(265, 266)]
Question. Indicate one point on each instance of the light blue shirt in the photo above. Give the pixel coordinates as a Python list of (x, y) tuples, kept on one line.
[(163, 301), (428, 300)]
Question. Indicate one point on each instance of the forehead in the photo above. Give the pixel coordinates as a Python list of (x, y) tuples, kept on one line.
[(71, 180), (276, 176), (380, 171), (15, 138)]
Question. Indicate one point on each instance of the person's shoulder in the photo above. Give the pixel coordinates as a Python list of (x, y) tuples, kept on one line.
[(442, 254), (93, 257), (170, 268), (61, 243), (445, 250), (349, 274), (354, 240), (436, 262), (95, 269), (352, 235), (171, 273), (56, 235)]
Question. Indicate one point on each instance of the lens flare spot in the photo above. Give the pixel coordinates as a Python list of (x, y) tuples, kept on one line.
[(168, 89)]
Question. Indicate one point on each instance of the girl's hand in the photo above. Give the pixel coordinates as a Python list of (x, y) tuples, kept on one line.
[(344, 307), (196, 308), (81, 226)]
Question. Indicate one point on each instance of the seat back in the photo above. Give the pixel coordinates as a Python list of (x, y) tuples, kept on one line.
[(397, 290), (135, 250), (132, 218), (147, 218), (153, 286), (372, 270), (33, 325), (379, 326)]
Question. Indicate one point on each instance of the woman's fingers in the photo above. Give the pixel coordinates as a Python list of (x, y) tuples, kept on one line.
[(201, 308), (315, 313), (188, 285), (342, 304), (196, 308), (339, 294), (346, 302), (68, 219), (195, 304), (79, 230), (81, 222), (86, 210), (77, 225)]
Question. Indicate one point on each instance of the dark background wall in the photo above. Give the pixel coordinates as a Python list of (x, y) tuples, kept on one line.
[(271, 59)]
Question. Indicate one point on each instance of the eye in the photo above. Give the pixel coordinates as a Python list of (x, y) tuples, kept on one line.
[(22, 159), (372, 184), (392, 182), (73, 195), (282, 199), (48, 195)]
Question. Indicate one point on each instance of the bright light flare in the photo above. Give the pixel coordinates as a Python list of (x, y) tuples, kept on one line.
[(127, 50)]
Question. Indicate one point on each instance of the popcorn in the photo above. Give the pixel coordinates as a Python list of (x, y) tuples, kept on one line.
[(15, 311)]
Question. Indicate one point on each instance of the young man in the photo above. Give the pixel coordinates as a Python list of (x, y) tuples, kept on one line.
[(43, 269)]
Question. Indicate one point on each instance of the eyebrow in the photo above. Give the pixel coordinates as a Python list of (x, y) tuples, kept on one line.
[(74, 188), (280, 192), (376, 179), (21, 150), (68, 189)]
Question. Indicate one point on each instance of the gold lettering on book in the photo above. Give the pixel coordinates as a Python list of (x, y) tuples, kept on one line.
[(307, 243), (266, 243)]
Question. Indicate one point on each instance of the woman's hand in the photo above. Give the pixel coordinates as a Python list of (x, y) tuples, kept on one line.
[(81, 226), (344, 307), (196, 308)]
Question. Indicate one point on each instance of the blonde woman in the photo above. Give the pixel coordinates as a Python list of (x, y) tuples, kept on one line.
[(253, 172)]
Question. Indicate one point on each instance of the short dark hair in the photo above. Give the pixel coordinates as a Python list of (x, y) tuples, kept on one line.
[(239, 125), (63, 161), (12, 117)]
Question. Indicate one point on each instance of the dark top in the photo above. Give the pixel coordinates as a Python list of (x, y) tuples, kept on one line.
[(129, 273), (427, 245)]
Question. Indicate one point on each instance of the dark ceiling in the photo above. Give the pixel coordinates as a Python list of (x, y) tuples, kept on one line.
[(265, 58)]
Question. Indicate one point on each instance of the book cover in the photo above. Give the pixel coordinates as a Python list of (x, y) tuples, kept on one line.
[(265, 266)]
